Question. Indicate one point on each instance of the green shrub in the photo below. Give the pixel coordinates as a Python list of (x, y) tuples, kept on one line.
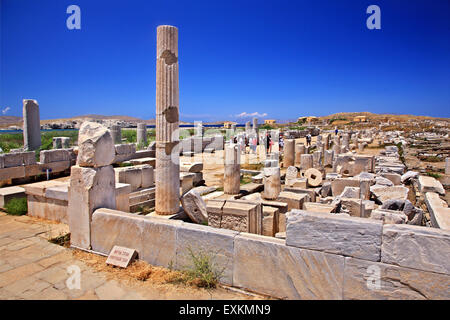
[(10, 141), (434, 175), (203, 272), (129, 135), (17, 206)]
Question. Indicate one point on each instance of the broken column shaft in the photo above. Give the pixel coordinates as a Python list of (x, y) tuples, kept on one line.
[(142, 133), (232, 170), (31, 125), (167, 176)]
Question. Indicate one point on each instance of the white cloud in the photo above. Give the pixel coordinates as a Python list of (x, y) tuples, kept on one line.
[(4, 111), (254, 114)]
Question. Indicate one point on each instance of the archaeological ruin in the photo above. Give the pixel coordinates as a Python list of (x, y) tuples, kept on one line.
[(285, 218)]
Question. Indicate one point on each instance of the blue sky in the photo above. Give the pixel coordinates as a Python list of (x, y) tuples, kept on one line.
[(280, 58)]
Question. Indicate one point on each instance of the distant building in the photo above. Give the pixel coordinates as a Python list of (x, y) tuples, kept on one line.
[(270, 121), (360, 119), (228, 124), (307, 119)]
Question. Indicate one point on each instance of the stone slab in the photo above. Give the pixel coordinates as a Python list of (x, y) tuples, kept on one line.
[(349, 236), (266, 265), (416, 247), (395, 283)]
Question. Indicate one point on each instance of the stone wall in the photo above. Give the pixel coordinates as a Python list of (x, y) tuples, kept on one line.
[(23, 164), (411, 261)]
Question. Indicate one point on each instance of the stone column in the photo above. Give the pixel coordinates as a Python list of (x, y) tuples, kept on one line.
[(92, 181), (317, 159), (289, 153), (247, 127), (255, 124), (116, 133), (272, 183), (447, 165), (167, 177), (299, 150), (232, 170), (31, 125), (328, 158), (142, 133), (327, 141), (306, 161), (198, 126)]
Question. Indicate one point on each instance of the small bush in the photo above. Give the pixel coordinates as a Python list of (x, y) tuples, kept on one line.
[(17, 206), (203, 273), (434, 175)]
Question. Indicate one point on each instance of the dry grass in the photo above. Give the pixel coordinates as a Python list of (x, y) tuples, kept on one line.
[(136, 271)]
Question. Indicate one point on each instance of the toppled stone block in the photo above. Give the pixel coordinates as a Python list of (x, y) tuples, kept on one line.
[(351, 192), (353, 207), (194, 206), (408, 176), (383, 193), (381, 181), (349, 236), (293, 200), (395, 178), (439, 211), (430, 184), (125, 148), (95, 146), (338, 185), (389, 216)]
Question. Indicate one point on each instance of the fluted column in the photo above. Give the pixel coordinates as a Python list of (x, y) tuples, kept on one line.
[(167, 176)]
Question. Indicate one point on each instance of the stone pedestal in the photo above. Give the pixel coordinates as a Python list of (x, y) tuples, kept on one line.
[(328, 158), (289, 153), (116, 133), (167, 177), (232, 170), (142, 133), (306, 161), (31, 125), (272, 183), (90, 189), (299, 150)]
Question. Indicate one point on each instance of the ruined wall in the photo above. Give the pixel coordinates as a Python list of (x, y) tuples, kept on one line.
[(411, 261)]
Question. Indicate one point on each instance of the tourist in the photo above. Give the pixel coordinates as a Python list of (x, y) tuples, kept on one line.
[(308, 139)]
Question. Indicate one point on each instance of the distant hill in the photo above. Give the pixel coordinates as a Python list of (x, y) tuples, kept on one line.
[(10, 121)]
